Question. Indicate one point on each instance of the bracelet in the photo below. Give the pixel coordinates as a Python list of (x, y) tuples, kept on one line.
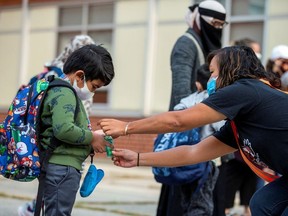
[(138, 155), (126, 129)]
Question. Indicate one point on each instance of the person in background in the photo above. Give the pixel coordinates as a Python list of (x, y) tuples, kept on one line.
[(55, 67), (278, 62), (200, 203), (235, 175), (246, 96), (284, 81), (254, 45), (205, 24)]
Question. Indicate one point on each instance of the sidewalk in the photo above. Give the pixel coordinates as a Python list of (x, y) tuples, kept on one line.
[(122, 191)]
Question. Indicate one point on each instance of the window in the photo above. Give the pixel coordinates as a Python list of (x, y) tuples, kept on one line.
[(247, 7), (246, 17), (95, 20)]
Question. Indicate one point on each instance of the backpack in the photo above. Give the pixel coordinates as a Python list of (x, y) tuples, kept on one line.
[(21, 157), (184, 174), (48, 71)]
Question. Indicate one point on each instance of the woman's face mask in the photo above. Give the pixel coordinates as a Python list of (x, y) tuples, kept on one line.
[(211, 85), (83, 93)]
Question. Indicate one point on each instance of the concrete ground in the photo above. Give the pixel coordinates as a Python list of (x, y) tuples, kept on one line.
[(122, 191)]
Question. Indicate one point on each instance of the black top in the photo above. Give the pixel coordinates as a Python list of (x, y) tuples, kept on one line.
[(261, 116)]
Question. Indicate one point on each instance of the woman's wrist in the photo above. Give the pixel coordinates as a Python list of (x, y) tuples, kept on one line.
[(126, 129)]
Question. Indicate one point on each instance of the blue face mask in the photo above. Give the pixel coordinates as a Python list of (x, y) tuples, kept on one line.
[(211, 85)]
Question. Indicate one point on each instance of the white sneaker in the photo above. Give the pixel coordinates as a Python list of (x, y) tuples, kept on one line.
[(27, 209)]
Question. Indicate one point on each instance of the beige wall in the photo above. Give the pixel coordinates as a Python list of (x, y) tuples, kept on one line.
[(130, 46), (42, 38), (171, 26), (277, 25), (9, 66), (129, 54), (41, 47), (10, 23)]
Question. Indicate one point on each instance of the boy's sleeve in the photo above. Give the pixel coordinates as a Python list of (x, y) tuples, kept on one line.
[(62, 106)]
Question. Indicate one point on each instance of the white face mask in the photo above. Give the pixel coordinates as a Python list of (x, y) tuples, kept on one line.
[(83, 93)]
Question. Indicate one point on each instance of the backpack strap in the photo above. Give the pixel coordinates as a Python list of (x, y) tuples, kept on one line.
[(262, 174), (53, 145), (199, 50), (269, 84)]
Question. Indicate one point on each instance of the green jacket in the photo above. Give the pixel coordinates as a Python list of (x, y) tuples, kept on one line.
[(57, 119)]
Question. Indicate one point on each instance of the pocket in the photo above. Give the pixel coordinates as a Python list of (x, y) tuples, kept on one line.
[(56, 174)]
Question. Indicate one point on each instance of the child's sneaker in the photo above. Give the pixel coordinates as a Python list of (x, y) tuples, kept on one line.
[(27, 209)]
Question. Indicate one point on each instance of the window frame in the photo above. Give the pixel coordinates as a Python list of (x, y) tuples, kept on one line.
[(85, 28)]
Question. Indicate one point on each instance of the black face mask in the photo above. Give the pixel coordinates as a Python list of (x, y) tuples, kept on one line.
[(210, 36)]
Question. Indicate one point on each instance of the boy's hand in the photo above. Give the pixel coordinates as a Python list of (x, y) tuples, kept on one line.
[(99, 143)]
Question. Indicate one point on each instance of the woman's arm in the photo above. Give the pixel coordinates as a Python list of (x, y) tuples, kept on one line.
[(208, 149), (173, 121)]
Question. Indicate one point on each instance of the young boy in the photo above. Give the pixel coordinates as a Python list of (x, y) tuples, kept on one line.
[(86, 69)]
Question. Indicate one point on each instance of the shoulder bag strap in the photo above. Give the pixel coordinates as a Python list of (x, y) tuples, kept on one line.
[(262, 174), (269, 84), (199, 50)]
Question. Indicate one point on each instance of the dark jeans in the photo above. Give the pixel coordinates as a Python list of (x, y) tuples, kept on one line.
[(177, 200), (201, 202), (61, 186), (271, 200), (219, 193)]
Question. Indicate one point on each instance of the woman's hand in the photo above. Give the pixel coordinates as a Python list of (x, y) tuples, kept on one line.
[(99, 143), (113, 127), (124, 158)]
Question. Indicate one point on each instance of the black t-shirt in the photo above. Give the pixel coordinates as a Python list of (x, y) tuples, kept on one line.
[(261, 116)]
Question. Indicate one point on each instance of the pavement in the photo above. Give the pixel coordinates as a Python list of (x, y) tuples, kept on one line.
[(122, 191)]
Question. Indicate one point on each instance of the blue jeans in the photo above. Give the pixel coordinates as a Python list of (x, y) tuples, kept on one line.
[(271, 199)]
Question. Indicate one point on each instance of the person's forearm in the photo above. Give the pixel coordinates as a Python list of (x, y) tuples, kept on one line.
[(170, 158), (162, 123), (186, 155), (175, 121)]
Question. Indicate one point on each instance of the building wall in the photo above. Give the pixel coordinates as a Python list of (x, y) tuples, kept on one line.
[(10, 43), (277, 22), (144, 33), (42, 38)]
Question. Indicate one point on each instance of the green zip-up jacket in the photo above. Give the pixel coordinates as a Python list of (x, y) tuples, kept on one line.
[(57, 119)]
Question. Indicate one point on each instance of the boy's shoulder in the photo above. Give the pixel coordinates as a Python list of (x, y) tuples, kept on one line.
[(61, 93)]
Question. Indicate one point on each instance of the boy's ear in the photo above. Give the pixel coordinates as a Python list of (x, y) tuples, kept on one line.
[(80, 74)]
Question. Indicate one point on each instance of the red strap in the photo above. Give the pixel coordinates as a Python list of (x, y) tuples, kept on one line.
[(262, 174)]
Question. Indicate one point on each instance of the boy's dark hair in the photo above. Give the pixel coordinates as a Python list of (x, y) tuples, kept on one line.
[(94, 60), (203, 75)]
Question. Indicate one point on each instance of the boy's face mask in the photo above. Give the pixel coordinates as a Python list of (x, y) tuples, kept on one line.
[(83, 93), (211, 85)]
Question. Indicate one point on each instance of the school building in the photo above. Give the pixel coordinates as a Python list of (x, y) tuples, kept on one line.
[(140, 35)]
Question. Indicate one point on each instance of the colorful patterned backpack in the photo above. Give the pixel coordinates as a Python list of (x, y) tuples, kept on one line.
[(19, 133)]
